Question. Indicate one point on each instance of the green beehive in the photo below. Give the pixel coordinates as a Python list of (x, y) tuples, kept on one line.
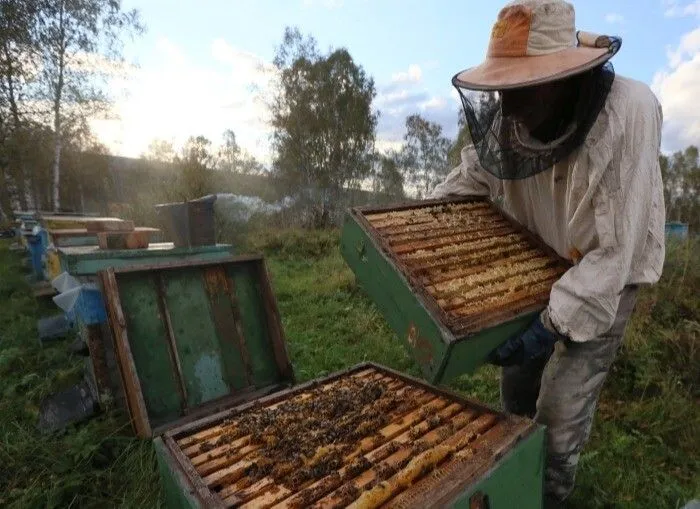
[(453, 278), (85, 262), (89, 260), (192, 334), (206, 373)]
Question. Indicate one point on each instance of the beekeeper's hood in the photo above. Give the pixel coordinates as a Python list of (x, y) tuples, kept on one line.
[(534, 43)]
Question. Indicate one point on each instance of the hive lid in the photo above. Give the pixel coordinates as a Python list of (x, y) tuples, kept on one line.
[(192, 338)]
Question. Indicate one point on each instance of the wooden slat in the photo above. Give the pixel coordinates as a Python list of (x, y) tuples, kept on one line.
[(367, 445), (463, 436), (409, 392), (374, 456), (212, 431), (209, 466), (170, 336)]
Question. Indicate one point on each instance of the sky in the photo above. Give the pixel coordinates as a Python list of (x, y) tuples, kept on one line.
[(204, 66)]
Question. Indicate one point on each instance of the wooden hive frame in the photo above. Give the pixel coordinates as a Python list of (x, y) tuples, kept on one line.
[(467, 447), (447, 337)]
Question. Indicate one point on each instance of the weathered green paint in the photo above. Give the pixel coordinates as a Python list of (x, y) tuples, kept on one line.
[(227, 327), (392, 294), (176, 490), (467, 354), (254, 325), (85, 260), (87, 240), (149, 347), (197, 343), (204, 326), (440, 354), (517, 480)]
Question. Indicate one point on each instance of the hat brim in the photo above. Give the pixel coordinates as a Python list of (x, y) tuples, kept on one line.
[(503, 73)]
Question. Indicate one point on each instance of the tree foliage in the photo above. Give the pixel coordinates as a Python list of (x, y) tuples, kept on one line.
[(324, 127), (388, 178), (681, 177), (425, 153), (55, 56), (79, 44)]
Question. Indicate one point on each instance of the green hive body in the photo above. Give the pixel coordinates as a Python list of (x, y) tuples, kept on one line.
[(440, 354)]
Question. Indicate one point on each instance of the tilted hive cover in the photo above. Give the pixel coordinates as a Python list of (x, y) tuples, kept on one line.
[(191, 334)]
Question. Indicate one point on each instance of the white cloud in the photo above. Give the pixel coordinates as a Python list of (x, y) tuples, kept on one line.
[(614, 18), (676, 9), (413, 75), (677, 86), (179, 98)]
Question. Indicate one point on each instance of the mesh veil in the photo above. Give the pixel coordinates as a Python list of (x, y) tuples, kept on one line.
[(507, 150)]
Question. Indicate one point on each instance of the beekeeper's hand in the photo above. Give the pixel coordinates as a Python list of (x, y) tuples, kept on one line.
[(534, 343)]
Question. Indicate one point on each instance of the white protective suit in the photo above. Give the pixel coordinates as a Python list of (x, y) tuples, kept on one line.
[(602, 208)]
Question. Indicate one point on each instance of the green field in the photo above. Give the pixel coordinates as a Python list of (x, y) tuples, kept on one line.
[(644, 451)]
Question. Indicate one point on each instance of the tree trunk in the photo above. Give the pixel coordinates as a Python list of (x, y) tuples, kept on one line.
[(56, 196), (58, 95)]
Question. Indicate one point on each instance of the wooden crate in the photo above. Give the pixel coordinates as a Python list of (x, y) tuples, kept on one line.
[(367, 437), (454, 278), (192, 335)]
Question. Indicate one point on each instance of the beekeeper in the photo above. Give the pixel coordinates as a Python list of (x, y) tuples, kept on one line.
[(571, 151)]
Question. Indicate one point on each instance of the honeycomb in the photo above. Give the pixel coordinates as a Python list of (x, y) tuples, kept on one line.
[(474, 264), (366, 440)]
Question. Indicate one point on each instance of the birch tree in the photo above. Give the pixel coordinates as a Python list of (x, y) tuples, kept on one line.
[(81, 45)]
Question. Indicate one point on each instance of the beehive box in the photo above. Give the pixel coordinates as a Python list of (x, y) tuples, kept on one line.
[(192, 335), (85, 263), (363, 438), (454, 278), (204, 365)]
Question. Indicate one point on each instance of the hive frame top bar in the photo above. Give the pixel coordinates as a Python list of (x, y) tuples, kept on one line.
[(192, 427), (441, 318), (518, 429)]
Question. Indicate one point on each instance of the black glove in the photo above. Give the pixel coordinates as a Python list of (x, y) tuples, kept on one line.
[(534, 343)]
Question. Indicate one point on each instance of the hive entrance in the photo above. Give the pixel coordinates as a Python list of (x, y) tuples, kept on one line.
[(471, 262), (368, 439)]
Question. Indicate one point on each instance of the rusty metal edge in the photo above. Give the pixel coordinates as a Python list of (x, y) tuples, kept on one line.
[(170, 336), (202, 491), (187, 263), (380, 245), (442, 318), (136, 405)]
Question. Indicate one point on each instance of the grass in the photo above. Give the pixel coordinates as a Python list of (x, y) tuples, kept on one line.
[(644, 449)]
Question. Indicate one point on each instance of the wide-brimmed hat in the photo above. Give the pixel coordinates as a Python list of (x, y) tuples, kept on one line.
[(535, 42)]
